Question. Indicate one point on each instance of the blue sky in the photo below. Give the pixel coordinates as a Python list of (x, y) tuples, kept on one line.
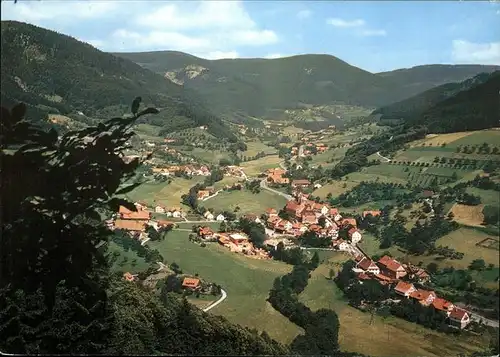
[(376, 36)]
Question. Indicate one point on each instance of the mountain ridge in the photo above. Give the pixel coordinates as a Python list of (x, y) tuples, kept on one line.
[(55, 73), (258, 86)]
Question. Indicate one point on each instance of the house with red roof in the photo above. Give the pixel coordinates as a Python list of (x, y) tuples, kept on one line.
[(349, 221), (191, 283), (459, 318), (405, 289), (442, 305), (425, 297), (301, 183), (206, 233), (271, 212), (368, 265), (309, 218), (391, 267), (371, 213)]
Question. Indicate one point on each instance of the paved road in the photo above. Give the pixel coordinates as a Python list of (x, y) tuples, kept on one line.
[(383, 157), (222, 298), (209, 197), (263, 184)]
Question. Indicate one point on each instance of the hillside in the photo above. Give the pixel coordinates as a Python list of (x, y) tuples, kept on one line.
[(421, 78), (264, 87), (468, 105), (57, 74)]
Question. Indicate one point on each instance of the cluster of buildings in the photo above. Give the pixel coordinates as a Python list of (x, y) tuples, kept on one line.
[(209, 216), (275, 176), (136, 222), (309, 149), (190, 170), (305, 215), (236, 242), (234, 171), (174, 212), (390, 272)]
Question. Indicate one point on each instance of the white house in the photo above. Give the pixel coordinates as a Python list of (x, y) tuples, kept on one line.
[(141, 206), (159, 209), (337, 217), (220, 217), (344, 246), (317, 185), (355, 235), (176, 213), (459, 318), (209, 216), (168, 213)]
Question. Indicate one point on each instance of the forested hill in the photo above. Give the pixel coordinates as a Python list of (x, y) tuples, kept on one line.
[(421, 78), (55, 73), (261, 86), (471, 104)]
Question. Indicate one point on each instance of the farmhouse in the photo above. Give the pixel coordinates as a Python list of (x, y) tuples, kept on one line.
[(425, 297), (459, 318), (371, 213), (125, 213), (391, 267), (206, 232), (130, 225), (368, 265), (191, 283), (160, 209), (220, 217), (208, 216), (301, 183), (349, 221), (128, 277), (271, 212), (202, 194), (238, 238), (404, 289), (443, 305)]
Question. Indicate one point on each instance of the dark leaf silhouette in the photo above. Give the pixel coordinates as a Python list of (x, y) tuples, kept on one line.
[(18, 112), (128, 188), (148, 111), (135, 105)]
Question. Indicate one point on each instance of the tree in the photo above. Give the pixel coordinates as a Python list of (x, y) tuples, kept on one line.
[(477, 264), (314, 261), (55, 187), (432, 268)]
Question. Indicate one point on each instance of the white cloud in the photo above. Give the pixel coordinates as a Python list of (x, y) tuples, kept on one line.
[(274, 55), (370, 33), (205, 15), (61, 11), (304, 14), (219, 55), (345, 23), (477, 53)]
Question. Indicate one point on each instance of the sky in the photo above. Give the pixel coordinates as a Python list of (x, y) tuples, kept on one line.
[(375, 36)]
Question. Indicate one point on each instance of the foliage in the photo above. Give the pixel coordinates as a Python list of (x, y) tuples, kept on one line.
[(57, 294)]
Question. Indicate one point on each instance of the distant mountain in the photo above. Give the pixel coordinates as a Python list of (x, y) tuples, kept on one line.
[(260, 87), (54, 73), (468, 105), (257, 87), (421, 78)]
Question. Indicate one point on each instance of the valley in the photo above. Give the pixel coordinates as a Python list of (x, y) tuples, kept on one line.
[(321, 204)]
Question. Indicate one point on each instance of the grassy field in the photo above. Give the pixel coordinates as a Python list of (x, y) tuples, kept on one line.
[(227, 180), (256, 167), (130, 255), (247, 202), (148, 132), (336, 188), (492, 137), (488, 197), (468, 215), (464, 240), (368, 177), (255, 147), (247, 282), (208, 156), (163, 193), (188, 225)]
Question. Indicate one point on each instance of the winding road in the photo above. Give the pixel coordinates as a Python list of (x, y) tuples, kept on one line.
[(383, 157), (263, 184), (214, 304)]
